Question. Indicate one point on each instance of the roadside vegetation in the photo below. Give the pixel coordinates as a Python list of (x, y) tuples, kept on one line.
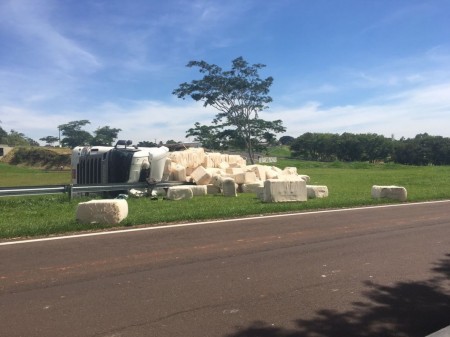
[(349, 185), (48, 158)]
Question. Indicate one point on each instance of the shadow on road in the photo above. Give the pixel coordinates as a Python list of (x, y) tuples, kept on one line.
[(406, 309)]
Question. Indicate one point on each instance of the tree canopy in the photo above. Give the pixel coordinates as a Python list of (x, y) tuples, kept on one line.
[(423, 149), (74, 135), (49, 140), (147, 143), (15, 138), (344, 147), (105, 136), (208, 135), (239, 94)]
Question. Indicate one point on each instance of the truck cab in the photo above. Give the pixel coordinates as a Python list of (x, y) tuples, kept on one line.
[(121, 163)]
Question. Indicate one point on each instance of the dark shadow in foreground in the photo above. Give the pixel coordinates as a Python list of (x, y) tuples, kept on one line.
[(406, 309)]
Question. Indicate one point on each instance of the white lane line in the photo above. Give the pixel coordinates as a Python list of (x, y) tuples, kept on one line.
[(130, 230)]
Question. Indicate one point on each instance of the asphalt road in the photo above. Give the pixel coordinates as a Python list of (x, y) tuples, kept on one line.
[(362, 272)]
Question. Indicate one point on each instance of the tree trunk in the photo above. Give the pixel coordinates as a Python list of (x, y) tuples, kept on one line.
[(250, 151)]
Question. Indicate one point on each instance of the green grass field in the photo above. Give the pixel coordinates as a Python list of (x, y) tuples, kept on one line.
[(11, 175), (349, 185)]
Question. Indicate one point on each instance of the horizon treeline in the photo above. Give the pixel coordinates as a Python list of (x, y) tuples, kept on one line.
[(423, 149)]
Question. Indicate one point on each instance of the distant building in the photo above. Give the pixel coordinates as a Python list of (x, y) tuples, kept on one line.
[(4, 149)]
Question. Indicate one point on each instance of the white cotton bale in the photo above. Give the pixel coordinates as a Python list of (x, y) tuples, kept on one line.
[(179, 193), (249, 168), (178, 172), (239, 178), (304, 177), (290, 171), (234, 170), (207, 162), (224, 157), (167, 172), (198, 190), (284, 190), (189, 158), (177, 157), (236, 160), (198, 156), (260, 192), (249, 177), (260, 172), (289, 177), (271, 174), (189, 171), (229, 188), (212, 159), (214, 171), (213, 190), (316, 191), (160, 191), (217, 179), (224, 165), (276, 169), (390, 192), (252, 187), (200, 176), (105, 211)]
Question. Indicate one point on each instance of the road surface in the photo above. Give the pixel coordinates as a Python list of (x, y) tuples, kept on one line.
[(380, 271)]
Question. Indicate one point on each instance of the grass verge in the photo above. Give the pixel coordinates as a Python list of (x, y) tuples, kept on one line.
[(349, 186), (11, 175)]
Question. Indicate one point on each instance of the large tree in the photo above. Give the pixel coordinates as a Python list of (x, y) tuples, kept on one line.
[(286, 140), (74, 135), (15, 138), (239, 94), (105, 136), (205, 134)]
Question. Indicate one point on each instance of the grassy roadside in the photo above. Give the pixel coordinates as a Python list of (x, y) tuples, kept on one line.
[(349, 186), (11, 175)]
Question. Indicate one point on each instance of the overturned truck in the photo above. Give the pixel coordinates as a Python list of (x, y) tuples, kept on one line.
[(122, 163)]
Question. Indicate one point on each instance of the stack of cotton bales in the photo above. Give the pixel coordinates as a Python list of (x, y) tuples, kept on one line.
[(188, 159), (228, 174)]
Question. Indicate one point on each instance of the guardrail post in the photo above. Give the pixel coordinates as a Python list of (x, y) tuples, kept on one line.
[(69, 191)]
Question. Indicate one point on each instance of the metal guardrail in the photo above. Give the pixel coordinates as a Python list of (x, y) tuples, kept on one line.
[(32, 190), (72, 189)]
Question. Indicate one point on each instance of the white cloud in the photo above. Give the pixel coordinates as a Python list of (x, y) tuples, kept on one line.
[(407, 113), (147, 120), (139, 120), (30, 22)]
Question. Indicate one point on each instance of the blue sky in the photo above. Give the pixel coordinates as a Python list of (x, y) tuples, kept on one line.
[(378, 66)]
